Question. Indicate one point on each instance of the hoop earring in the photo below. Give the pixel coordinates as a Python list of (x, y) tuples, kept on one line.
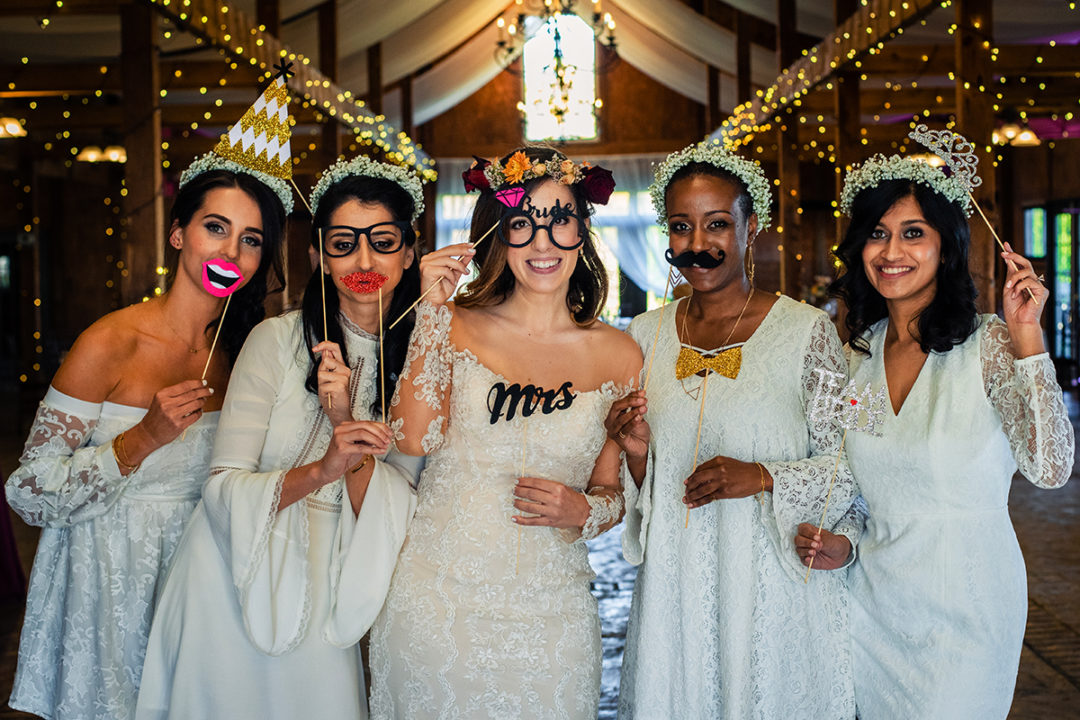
[(748, 263)]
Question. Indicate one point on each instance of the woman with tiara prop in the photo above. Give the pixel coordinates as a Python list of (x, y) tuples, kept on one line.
[(489, 613), (939, 591), (722, 464), (119, 451), (288, 562)]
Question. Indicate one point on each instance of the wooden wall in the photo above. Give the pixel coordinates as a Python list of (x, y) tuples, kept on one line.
[(639, 116)]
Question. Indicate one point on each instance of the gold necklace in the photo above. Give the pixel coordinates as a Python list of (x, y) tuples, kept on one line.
[(726, 362), (190, 349)]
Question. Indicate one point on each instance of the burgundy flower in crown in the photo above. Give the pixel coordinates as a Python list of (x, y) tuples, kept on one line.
[(598, 184), (474, 177)]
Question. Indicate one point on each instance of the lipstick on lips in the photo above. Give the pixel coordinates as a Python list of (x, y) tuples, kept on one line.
[(221, 277), (363, 282)]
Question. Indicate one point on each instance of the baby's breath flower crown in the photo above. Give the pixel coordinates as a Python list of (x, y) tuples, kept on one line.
[(362, 165), (212, 161), (957, 153), (715, 154)]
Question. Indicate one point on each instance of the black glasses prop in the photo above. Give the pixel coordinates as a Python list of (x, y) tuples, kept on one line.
[(385, 237), (519, 227)]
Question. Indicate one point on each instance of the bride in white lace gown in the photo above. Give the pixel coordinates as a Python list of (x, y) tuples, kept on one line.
[(118, 455), (288, 557), (722, 624), (489, 613), (939, 591)]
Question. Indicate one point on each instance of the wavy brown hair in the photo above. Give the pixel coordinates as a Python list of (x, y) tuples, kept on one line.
[(495, 282)]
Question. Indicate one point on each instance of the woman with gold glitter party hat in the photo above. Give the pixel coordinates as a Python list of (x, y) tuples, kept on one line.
[(119, 451)]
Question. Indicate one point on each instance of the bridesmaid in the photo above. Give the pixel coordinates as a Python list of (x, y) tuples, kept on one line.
[(119, 450), (288, 557), (938, 593), (722, 623)]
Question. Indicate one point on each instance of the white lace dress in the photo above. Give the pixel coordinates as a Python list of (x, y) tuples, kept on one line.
[(722, 624), (474, 625), (939, 590), (106, 543), (263, 609)]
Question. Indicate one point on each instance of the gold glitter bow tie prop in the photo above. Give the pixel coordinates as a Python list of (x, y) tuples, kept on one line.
[(691, 362)]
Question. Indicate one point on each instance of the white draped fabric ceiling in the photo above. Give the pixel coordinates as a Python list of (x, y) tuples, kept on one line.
[(664, 39)]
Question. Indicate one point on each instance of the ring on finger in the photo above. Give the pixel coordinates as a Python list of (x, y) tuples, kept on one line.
[(621, 434), (1041, 278)]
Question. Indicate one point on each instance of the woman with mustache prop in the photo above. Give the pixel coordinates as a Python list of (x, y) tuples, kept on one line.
[(505, 390), (120, 448), (287, 562), (721, 466)]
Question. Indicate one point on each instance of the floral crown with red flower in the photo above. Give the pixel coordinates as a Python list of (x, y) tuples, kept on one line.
[(487, 175)]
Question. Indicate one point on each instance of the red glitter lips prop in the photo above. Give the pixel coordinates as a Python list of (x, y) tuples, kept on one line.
[(363, 282)]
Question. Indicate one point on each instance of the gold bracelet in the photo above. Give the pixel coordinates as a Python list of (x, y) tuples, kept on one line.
[(761, 471), (120, 455), (361, 464)]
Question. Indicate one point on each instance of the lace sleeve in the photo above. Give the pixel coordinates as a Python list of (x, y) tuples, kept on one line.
[(1029, 400), (61, 479), (419, 406), (801, 486)]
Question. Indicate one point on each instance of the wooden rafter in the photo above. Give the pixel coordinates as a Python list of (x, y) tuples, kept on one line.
[(233, 32), (853, 38)]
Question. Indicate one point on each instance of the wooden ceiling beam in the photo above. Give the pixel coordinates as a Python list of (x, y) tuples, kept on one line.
[(874, 23), (242, 41)]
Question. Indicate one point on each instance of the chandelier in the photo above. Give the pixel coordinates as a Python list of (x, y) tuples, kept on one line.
[(585, 23), (532, 15)]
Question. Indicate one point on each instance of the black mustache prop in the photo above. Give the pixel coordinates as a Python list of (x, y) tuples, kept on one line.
[(694, 259)]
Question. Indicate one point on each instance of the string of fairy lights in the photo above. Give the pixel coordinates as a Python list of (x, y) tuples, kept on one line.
[(774, 107)]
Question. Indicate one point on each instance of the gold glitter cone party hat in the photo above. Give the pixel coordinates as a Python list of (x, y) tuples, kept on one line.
[(258, 144), (261, 139)]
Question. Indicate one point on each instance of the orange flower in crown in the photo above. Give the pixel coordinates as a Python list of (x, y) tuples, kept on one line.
[(516, 167)]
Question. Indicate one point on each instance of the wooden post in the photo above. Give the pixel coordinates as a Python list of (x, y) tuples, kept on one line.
[(975, 120), (143, 229), (407, 125), (331, 144), (374, 74), (846, 106), (743, 31), (713, 114), (788, 223), (268, 14)]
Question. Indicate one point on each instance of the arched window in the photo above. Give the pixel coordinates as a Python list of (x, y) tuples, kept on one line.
[(560, 81)]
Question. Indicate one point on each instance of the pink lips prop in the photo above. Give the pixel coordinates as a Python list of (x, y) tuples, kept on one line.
[(221, 277), (363, 282)]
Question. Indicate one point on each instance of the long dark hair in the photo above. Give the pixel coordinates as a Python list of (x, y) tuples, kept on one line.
[(246, 304), (588, 289), (396, 340), (950, 318)]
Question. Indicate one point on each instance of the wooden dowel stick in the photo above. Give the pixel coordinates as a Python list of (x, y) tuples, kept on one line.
[(424, 294), (322, 286), (828, 496), (697, 442), (217, 333), (1001, 245), (206, 367), (382, 369), (302, 198)]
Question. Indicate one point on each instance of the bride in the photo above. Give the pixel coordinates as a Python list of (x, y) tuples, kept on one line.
[(489, 612)]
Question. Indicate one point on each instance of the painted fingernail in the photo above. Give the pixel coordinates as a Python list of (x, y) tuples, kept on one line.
[(204, 382), (211, 391)]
